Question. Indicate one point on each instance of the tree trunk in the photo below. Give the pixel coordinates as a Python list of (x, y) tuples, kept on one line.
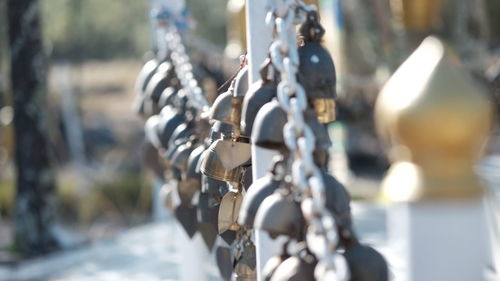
[(34, 210)]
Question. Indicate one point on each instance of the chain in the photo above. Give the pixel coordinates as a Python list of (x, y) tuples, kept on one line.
[(172, 40), (322, 237)]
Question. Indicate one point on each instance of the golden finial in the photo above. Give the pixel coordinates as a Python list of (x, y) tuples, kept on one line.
[(435, 120), (418, 15)]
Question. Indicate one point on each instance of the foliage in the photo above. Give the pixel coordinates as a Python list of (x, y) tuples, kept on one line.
[(94, 29), (81, 29)]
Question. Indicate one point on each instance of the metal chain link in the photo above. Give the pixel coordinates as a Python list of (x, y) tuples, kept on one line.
[(172, 40), (322, 237)]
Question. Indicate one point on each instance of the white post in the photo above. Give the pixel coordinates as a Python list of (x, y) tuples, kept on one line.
[(258, 40)]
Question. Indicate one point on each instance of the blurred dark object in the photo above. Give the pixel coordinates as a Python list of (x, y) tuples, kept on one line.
[(35, 200)]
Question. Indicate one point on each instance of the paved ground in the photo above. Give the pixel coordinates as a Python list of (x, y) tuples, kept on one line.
[(146, 253), (150, 253)]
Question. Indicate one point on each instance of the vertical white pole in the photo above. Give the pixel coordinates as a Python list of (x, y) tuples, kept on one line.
[(258, 40)]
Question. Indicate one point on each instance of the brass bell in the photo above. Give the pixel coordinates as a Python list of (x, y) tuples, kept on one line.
[(223, 160), (227, 106), (229, 210), (257, 192), (296, 268), (260, 93), (366, 264), (245, 267), (317, 70), (279, 215)]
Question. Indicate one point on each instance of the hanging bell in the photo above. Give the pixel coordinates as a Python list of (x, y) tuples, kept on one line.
[(258, 191), (366, 264), (207, 220), (186, 215), (316, 70), (337, 200), (182, 132), (167, 97), (192, 171), (245, 267), (152, 131), (220, 129), (271, 117), (181, 156), (160, 80), (227, 106), (279, 215), (296, 268), (187, 190), (223, 160), (221, 109), (229, 210), (172, 149), (212, 187), (268, 126), (223, 257), (187, 186), (257, 96), (170, 120), (241, 82), (147, 71), (229, 236)]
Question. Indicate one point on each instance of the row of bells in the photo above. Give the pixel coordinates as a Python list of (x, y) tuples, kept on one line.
[(209, 159)]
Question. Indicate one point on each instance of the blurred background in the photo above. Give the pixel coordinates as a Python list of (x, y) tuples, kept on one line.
[(96, 49), (95, 52)]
